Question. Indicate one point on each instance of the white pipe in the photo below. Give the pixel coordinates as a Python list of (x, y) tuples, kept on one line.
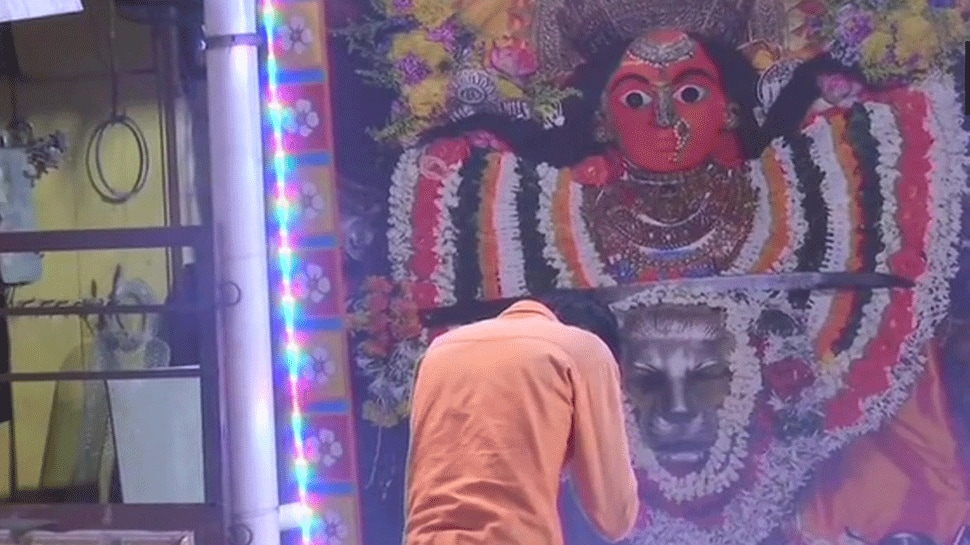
[(239, 217), (293, 515)]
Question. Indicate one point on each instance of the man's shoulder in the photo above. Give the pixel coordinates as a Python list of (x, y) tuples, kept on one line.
[(539, 329), (585, 347)]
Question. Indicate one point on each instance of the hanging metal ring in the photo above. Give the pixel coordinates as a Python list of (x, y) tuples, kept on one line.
[(95, 152)]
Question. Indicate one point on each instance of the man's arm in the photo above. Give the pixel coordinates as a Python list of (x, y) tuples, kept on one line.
[(601, 469)]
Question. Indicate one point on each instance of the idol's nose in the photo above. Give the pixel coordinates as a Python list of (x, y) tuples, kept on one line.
[(666, 110)]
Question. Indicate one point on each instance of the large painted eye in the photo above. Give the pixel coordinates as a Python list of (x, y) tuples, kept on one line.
[(636, 99), (690, 94)]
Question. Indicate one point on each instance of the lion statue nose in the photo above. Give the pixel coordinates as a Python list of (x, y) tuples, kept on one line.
[(678, 418)]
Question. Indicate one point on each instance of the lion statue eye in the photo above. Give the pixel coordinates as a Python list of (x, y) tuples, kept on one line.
[(713, 371), (649, 379)]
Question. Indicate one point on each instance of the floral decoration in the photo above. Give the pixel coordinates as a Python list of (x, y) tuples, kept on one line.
[(301, 118), (385, 321), (321, 367), (893, 41), (787, 378), (296, 35), (444, 66), (334, 528), (840, 90), (311, 201), (324, 448), (312, 283)]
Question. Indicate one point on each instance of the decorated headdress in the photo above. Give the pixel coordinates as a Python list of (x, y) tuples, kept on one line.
[(567, 31)]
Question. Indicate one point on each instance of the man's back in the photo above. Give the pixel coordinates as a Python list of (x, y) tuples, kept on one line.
[(499, 407)]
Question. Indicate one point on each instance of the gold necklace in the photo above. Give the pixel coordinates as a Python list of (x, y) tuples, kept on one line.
[(660, 222)]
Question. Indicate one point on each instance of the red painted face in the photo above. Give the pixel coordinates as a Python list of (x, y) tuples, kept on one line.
[(666, 103)]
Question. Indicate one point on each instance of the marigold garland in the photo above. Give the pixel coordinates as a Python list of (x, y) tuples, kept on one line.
[(894, 41), (391, 338)]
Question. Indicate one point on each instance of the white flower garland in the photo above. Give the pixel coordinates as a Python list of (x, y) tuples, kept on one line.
[(548, 183), (511, 255), (443, 275), (400, 239), (835, 191), (727, 455), (797, 222), (890, 148), (592, 265), (761, 229), (950, 167)]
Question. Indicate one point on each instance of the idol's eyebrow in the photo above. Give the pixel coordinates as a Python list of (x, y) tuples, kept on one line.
[(629, 77), (694, 72), (680, 77)]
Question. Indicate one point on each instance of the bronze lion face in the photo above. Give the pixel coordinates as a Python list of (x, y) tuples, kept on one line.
[(676, 374)]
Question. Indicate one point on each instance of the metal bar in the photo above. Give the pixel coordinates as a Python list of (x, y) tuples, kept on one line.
[(93, 76), (204, 520), (171, 85), (135, 374), (12, 436), (213, 425), (89, 309), (102, 239)]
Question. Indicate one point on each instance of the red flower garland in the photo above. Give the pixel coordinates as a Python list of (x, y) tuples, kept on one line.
[(870, 375)]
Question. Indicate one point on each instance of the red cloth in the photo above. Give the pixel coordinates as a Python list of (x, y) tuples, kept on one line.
[(908, 476)]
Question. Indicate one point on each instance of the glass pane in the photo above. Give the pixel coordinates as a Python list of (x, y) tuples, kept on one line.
[(118, 441)]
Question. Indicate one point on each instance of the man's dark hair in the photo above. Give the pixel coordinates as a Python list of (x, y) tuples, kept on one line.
[(586, 312)]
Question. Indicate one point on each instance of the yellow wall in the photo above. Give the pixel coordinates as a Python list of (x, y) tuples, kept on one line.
[(55, 53)]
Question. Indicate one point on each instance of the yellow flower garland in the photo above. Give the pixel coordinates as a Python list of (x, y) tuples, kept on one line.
[(432, 13), (428, 97), (417, 43)]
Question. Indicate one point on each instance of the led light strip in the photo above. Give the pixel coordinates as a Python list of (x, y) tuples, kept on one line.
[(282, 206)]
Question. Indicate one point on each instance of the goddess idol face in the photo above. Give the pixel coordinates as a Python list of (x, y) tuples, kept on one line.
[(665, 103)]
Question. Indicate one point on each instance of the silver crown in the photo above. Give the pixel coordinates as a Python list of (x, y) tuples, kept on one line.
[(569, 31)]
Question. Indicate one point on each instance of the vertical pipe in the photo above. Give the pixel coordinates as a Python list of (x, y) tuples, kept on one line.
[(239, 220), (165, 53)]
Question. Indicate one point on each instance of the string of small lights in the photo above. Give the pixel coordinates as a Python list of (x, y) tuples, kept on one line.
[(283, 208)]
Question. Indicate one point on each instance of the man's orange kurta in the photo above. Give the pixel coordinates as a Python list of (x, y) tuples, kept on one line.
[(499, 408)]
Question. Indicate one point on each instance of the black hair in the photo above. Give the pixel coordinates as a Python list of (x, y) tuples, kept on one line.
[(585, 311), (794, 101), (574, 141)]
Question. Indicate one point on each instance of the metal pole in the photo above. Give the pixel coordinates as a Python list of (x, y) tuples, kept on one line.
[(239, 220)]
